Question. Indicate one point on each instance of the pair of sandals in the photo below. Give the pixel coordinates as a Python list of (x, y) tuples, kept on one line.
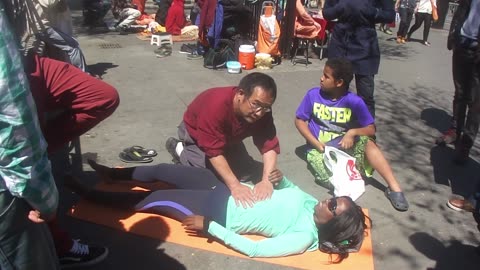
[(137, 154), (163, 51)]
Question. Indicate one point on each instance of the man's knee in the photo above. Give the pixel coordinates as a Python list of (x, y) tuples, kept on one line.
[(107, 102)]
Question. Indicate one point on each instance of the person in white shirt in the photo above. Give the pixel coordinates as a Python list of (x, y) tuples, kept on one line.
[(423, 13)]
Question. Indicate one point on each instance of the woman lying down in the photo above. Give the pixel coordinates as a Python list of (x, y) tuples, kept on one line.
[(292, 220)]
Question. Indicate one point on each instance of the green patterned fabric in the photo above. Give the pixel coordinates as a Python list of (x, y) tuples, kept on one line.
[(25, 170), (322, 174)]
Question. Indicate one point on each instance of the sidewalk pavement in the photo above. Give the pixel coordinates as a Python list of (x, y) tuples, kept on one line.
[(414, 92)]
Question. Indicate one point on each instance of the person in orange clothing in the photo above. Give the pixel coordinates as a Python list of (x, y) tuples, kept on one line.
[(305, 26)]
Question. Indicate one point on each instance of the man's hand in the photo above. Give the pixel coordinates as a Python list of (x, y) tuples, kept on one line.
[(243, 195), (347, 140), (263, 190), (36, 217), (193, 223), (275, 177)]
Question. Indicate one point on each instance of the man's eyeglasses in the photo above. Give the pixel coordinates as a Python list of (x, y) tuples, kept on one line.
[(332, 205), (257, 108)]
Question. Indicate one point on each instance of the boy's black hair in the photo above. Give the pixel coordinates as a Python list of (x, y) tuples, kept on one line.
[(252, 80), (342, 69)]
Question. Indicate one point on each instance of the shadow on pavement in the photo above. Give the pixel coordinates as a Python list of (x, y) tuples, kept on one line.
[(450, 255), (100, 68)]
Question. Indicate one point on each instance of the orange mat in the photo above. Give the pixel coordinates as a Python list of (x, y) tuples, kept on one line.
[(170, 230)]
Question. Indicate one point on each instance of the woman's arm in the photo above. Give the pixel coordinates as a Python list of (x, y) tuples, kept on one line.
[(283, 245)]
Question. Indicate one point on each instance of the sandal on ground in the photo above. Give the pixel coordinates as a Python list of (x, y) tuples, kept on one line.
[(163, 51), (398, 200), (142, 151), (134, 157)]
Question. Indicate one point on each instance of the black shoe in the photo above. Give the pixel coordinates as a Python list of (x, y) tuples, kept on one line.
[(187, 49), (81, 255), (122, 30), (171, 145)]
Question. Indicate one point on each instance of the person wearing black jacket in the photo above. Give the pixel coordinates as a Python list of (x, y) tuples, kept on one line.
[(464, 39), (354, 37)]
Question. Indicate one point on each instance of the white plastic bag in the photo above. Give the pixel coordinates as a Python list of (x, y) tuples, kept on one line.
[(346, 179)]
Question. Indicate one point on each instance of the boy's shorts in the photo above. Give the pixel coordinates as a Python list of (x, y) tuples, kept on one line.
[(322, 175)]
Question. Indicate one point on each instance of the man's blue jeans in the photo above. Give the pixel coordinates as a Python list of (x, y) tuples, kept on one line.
[(24, 245)]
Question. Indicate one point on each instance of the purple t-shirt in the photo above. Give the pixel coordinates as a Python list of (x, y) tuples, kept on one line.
[(328, 119)]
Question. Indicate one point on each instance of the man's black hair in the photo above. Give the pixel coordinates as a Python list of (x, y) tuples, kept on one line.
[(257, 79), (342, 69)]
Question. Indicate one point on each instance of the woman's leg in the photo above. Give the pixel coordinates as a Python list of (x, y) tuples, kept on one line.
[(426, 26), (403, 27), (365, 89), (178, 204), (418, 23), (184, 177), (173, 203)]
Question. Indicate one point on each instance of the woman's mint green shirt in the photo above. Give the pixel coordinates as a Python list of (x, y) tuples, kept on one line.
[(286, 219)]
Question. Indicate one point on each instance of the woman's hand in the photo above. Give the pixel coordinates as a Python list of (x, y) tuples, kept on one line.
[(275, 176), (193, 223), (263, 190)]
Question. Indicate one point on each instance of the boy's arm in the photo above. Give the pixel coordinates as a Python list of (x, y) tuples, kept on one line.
[(302, 127), (349, 137)]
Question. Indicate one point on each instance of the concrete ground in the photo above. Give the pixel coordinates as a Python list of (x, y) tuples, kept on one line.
[(413, 92)]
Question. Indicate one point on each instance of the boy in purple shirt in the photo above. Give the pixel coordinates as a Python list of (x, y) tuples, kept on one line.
[(332, 115)]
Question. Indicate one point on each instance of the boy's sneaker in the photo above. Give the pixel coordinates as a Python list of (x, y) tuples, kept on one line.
[(81, 255), (387, 31), (450, 136)]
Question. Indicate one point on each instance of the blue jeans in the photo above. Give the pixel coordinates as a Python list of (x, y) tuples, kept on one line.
[(24, 245)]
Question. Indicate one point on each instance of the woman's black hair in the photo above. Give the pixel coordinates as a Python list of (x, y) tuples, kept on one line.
[(344, 233), (257, 79), (342, 69)]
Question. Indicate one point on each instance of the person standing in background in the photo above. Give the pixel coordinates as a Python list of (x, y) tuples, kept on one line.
[(354, 37), (423, 14)]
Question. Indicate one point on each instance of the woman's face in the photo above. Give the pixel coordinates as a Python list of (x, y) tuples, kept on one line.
[(325, 210)]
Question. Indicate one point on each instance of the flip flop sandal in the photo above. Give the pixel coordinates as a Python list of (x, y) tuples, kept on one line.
[(398, 200), (134, 157), (142, 151)]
